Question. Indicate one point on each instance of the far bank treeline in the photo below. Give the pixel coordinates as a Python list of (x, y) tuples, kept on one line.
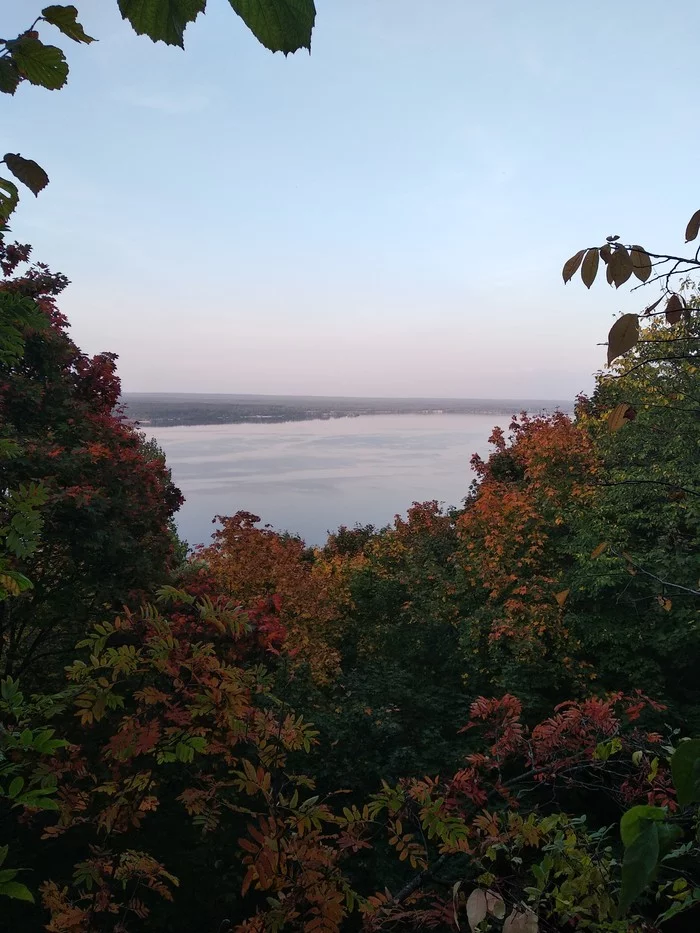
[(474, 719)]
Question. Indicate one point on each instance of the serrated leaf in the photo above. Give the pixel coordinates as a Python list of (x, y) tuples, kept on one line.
[(639, 865), (65, 18), (674, 309), (9, 197), (571, 266), (161, 20), (693, 228), (618, 416), (685, 770), (17, 891), (589, 269), (27, 171), (280, 25), (9, 76), (641, 263), (43, 65), (623, 335)]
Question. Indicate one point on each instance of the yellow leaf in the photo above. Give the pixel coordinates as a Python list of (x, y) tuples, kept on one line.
[(562, 597), (597, 551), (618, 416)]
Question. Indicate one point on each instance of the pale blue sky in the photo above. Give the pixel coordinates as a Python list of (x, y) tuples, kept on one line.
[(388, 216)]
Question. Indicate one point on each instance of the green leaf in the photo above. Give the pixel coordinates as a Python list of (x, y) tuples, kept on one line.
[(632, 821), (20, 892), (65, 18), (9, 197), (685, 770), (16, 785), (669, 835), (27, 171), (639, 865), (3, 853), (9, 76), (44, 65), (280, 25), (161, 20), (8, 874)]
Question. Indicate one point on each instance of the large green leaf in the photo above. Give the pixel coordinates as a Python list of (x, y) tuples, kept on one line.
[(20, 892), (632, 821), (41, 64), (280, 25), (27, 171), (685, 770), (65, 18), (639, 865), (161, 20)]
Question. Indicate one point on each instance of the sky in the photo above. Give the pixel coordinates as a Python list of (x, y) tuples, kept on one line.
[(386, 216)]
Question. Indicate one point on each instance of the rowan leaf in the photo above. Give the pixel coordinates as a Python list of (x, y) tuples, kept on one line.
[(618, 416), (43, 65), (623, 335), (27, 171), (641, 263), (571, 266), (693, 228), (589, 269), (65, 18), (280, 25), (161, 20), (674, 309)]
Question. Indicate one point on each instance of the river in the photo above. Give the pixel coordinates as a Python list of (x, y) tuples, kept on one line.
[(309, 477)]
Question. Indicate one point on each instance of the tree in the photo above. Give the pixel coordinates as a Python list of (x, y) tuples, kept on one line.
[(103, 501)]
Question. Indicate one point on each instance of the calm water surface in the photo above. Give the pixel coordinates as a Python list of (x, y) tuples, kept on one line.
[(309, 477)]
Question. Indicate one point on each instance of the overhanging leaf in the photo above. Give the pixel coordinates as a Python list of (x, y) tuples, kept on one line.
[(43, 65), (620, 266), (280, 25), (693, 228), (639, 865), (65, 18), (589, 269), (685, 770), (9, 197), (618, 416), (521, 921), (623, 335), (571, 266), (161, 20), (641, 263), (674, 309), (27, 171), (9, 76)]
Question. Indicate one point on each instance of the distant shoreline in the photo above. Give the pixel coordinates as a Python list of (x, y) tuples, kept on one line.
[(159, 410)]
